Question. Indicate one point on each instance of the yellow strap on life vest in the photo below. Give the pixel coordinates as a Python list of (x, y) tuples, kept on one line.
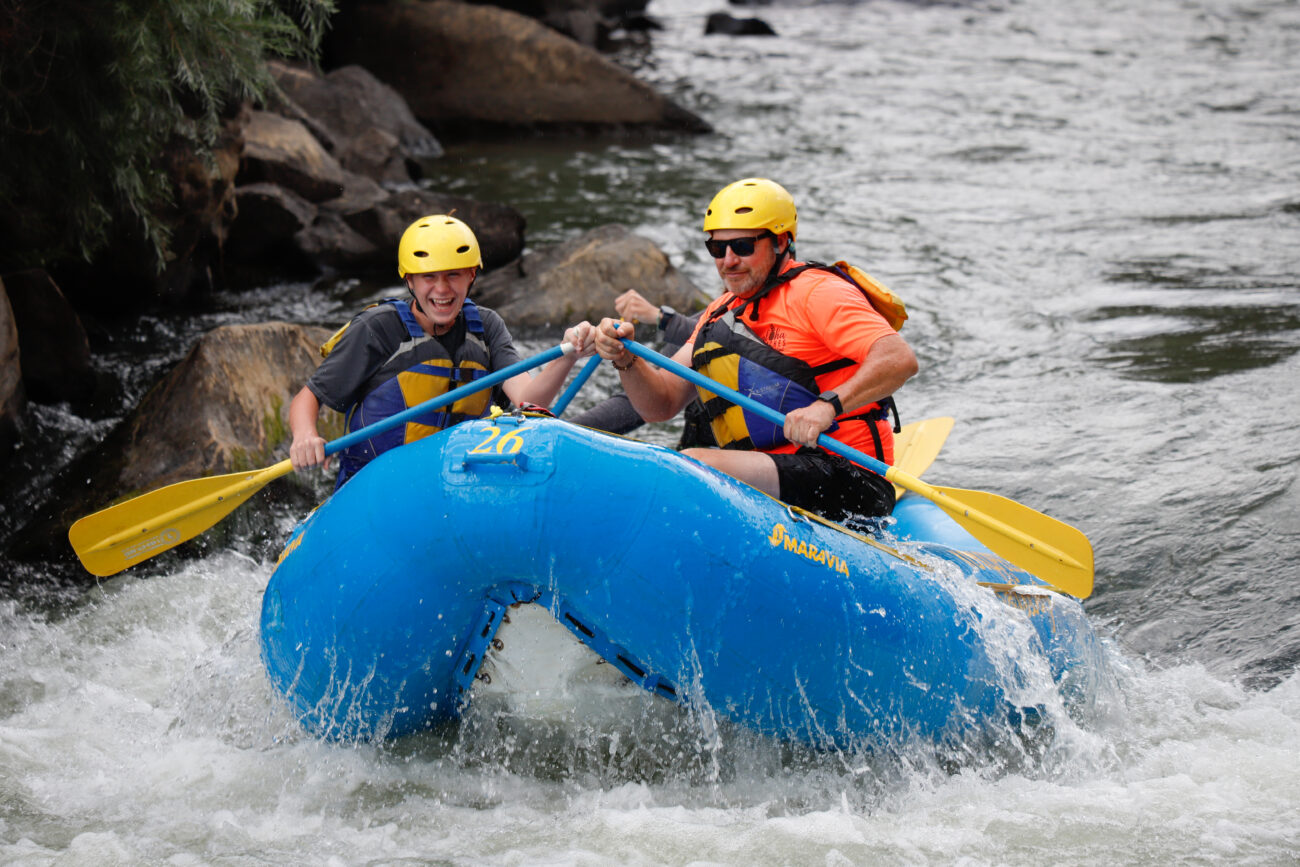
[(887, 304), (328, 346)]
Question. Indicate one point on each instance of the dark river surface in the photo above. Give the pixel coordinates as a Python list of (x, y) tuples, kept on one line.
[(1093, 212)]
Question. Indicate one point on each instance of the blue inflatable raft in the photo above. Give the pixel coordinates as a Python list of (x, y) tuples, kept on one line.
[(698, 588)]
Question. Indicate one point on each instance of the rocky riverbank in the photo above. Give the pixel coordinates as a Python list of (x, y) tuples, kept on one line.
[(321, 182)]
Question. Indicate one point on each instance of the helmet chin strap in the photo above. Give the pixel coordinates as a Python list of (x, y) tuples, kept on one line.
[(774, 273)]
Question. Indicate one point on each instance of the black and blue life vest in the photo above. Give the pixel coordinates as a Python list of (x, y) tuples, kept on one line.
[(420, 369), (730, 353)]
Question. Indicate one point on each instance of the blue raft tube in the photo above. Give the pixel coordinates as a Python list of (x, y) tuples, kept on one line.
[(697, 587)]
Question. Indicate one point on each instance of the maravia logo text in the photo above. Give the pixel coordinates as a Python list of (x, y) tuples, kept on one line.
[(289, 549), (803, 549), (163, 540)]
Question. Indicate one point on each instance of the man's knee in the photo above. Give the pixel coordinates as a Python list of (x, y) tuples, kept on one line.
[(753, 468)]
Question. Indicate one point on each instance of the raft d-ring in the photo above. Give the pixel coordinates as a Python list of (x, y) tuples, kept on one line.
[(497, 644)]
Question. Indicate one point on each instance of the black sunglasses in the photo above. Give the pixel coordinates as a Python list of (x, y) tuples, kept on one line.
[(740, 246)]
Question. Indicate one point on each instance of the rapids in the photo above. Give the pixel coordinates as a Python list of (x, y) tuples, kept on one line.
[(1091, 209)]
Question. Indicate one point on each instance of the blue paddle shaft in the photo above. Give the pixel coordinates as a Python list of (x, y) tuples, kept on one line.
[(748, 403), (578, 382), (450, 397)]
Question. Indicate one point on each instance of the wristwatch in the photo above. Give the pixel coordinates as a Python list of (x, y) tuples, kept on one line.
[(833, 399), (665, 313)]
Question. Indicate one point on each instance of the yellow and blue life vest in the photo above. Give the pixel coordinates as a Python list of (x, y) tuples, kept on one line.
[(419, 370), (730, 353)]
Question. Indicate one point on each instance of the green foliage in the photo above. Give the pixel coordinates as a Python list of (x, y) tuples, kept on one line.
[(274, 425), (91, 91)]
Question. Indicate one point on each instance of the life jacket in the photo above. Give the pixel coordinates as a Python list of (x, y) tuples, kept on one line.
[(729, 352), (886, 303), (419, 370)]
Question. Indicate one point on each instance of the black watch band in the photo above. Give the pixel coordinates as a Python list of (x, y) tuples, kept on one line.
[(665, 313), (834, 400)]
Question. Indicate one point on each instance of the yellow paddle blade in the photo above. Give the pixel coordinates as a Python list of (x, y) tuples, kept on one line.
[(1041, 545), (918, 444), (1053, 550), (120, 536)]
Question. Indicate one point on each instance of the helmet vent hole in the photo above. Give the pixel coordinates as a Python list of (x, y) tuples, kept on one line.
[(745, 210), (462, 248), (421, 254)]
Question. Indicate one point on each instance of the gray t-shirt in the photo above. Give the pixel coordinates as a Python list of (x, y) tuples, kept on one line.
[(372, 338)]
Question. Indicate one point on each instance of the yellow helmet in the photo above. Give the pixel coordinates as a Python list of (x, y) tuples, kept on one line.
[(437, 243), (752, 203)]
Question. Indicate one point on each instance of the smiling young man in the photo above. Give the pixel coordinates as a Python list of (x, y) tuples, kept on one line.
[(799, 338), (402, 352)]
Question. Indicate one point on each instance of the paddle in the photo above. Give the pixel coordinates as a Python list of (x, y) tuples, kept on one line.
[(1054, 551), (130, 532), (578, 382), (918, 444)]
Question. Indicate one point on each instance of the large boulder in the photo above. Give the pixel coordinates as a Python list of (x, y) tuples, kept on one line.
[(590, 22), (278, 232), (325, 182), (13, 401), (56, 352), (727, 25), (499, 228), (301, 212), (363, 122), (330, 242), (223, 408), (580, 278), (459, 64), (281, 151), (263, 234)]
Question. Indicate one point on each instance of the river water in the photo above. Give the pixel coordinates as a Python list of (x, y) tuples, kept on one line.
[(1092, 209)]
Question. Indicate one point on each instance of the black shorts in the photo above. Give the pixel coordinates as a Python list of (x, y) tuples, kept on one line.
[(832, 486)]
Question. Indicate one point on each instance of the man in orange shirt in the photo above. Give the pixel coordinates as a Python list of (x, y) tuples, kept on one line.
[(800, 338)]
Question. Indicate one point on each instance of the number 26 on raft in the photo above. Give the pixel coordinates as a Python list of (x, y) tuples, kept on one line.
[(513, 439)]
